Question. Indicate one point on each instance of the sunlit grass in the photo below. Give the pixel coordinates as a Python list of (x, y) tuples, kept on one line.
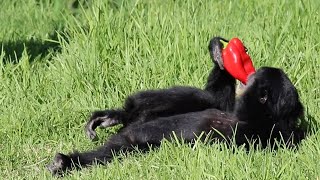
[(106, 51)]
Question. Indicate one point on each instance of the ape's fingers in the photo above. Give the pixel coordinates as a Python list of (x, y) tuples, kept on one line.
[(215, 48)]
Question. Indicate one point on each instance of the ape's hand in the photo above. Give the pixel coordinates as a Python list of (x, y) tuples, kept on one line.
[(232, 56), (215, 48)]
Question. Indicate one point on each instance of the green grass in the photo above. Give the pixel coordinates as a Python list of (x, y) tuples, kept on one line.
[(59, 63)]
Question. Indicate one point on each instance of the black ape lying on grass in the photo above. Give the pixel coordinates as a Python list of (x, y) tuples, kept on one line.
[(268, 110)]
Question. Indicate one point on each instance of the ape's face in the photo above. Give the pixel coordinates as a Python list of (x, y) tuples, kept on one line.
[(270, 94)]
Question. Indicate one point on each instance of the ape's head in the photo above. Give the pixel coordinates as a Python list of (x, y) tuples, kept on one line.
[(270, 101)]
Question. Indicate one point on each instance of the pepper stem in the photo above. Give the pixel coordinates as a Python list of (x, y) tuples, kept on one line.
[(224, 44)]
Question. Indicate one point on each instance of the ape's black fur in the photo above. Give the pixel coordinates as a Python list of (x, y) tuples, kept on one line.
[(268, 110)]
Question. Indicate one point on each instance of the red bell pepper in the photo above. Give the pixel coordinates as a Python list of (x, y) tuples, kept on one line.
[(236, 60)]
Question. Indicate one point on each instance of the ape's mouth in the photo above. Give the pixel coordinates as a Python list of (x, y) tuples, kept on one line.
[(241, 87), (250, 78)]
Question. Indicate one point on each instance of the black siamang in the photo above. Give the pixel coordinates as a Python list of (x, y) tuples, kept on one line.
[(268, 110)]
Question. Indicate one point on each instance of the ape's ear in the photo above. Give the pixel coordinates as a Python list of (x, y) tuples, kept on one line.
[(263, 96)]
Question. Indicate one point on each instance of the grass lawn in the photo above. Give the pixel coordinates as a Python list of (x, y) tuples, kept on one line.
[(61, 60)]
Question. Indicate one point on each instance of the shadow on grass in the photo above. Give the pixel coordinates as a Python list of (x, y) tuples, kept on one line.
[(35, 48), (310, 124), (38, 48)]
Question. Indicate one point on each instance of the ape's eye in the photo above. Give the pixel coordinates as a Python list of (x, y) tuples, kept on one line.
[(264, 97)]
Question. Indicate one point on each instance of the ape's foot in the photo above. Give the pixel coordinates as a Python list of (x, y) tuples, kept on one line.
[(61, 163), (100, 119)]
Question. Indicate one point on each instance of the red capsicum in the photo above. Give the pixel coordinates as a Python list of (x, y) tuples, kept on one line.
[(236, 60)]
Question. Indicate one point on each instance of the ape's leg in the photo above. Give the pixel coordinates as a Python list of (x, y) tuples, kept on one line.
[(141, 135), (148, 105), (62, 163), (126, 140)]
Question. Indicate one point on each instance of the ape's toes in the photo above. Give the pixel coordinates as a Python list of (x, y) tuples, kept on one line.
[(61, 163), (91, 134), (101, 122), (54, 170)]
